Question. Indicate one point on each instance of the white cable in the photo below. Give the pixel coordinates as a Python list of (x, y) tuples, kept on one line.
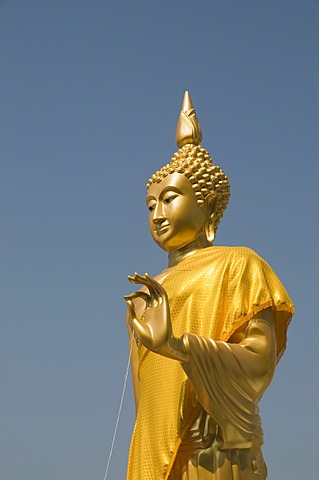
[(120, 409)]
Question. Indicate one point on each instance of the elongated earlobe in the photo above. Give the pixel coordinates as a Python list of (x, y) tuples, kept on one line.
[(209, 225), (210, 230)]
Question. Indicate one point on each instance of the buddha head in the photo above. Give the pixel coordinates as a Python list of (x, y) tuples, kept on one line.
[(188, 196)]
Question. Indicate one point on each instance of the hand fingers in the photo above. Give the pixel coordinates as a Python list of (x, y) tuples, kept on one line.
[(143, 280), (136, 278), (156, 290), (145, 296), (160, 290)]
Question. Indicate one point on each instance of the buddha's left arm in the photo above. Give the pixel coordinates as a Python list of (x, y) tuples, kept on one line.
[(232, 371)]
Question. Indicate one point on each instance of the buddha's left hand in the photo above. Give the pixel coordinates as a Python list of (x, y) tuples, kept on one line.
[(155, 330)]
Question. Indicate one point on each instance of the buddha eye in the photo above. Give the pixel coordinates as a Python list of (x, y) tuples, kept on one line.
[(169, 199), (151, 208)]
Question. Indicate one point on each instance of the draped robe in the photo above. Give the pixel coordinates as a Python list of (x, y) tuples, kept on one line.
[(212, 294)]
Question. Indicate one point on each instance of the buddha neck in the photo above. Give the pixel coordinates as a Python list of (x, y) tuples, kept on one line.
[(187, 250)]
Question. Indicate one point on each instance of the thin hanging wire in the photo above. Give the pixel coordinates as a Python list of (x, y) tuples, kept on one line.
[(120, 409)]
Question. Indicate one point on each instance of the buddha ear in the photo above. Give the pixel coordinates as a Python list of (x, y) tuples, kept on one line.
[(209, 225)]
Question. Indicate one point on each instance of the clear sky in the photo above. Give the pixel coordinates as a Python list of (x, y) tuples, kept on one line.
[(89, 99)]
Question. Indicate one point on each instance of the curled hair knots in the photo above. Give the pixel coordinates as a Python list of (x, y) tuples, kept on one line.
[(196, 164)]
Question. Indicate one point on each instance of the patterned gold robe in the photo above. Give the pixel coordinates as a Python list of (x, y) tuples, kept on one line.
[(212, 294)]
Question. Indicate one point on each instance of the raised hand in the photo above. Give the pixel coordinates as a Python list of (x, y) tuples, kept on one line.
[(154, 331)]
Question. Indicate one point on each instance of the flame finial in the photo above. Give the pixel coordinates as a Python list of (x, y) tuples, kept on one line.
[(188, 129)]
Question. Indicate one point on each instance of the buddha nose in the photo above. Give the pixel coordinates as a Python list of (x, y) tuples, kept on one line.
[(158, 215)]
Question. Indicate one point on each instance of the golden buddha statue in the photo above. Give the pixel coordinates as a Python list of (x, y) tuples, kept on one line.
[(207, 332)]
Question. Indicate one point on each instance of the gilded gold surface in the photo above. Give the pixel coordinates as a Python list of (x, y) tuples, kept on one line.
[(188, 129), (208, 333)]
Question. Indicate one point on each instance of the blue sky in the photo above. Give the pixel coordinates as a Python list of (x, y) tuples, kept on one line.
[(89, 100)]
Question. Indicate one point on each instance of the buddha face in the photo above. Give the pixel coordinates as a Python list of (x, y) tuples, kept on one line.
[(175, 218)]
